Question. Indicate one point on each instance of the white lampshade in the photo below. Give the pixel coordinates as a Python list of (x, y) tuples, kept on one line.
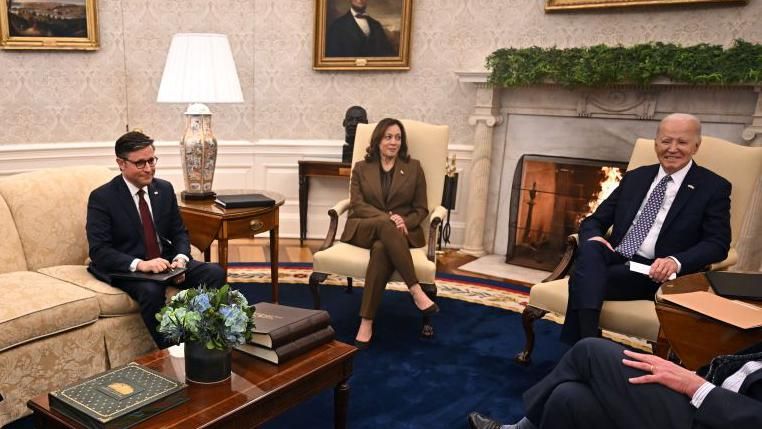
[(200, 69)]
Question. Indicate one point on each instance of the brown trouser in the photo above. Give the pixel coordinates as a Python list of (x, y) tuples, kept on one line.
[(389, 251)]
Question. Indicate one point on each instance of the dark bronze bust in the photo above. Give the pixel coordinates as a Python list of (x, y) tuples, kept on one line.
[(355, 115)]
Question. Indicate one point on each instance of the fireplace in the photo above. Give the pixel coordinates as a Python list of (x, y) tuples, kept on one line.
[(550, 196)]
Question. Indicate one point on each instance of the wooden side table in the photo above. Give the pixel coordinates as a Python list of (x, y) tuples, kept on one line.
[(309, 169), (206, 222), (696, 338)]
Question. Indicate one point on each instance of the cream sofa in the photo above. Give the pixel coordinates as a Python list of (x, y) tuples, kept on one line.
[(58, 323)]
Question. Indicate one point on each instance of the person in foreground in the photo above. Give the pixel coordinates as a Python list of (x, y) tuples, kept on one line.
[(600, 384), (387, 205), (134, 224), (673, 216)]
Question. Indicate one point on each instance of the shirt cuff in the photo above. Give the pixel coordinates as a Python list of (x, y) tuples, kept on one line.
[(134, 265), (184, 258), (700, 395), (679, 265)]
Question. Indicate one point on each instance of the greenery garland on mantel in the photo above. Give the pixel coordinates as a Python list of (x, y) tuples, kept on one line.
[(641, 64)]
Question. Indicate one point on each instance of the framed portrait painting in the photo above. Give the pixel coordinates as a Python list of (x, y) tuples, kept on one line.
[(362, 34), (560, 5), (52, 25)]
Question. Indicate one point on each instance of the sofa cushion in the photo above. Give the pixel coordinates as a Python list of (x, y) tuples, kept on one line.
[(49, 208), (37, 306), (11, 252), (634, 318), (112, 301), (352, 261)]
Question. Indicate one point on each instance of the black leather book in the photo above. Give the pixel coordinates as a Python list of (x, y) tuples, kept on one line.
[(243, 200), (289, 350), (118, 398), (275, 325), (740, 285)]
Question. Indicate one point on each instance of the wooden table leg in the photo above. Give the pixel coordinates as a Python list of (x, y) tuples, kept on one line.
[(304, 190), (222, 254), (340, 405), (274, 262)]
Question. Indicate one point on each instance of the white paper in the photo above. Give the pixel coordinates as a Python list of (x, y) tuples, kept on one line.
[(645, 269)]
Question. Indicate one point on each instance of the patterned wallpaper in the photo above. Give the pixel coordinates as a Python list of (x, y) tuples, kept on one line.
[(90, 96)]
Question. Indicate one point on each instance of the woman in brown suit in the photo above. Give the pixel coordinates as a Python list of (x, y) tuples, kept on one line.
[(387, 206)]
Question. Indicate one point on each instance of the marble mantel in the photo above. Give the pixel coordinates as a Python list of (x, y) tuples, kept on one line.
[(599, 123)]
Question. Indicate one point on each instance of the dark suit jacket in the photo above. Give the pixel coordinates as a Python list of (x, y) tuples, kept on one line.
[(407, 198), (724, 409), (115, 233), (345, 39), (697, 228)]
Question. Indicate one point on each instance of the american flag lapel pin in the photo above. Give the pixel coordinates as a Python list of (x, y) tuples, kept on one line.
[(402, 172), (691, 187), (157, 192)]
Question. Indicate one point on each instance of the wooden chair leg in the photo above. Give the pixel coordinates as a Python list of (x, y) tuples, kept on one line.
[(315, 280), (349, 285), (528, 316), (430, 289), (661, 347)]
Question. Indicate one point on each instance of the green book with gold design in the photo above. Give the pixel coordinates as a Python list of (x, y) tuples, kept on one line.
[(118, 398)]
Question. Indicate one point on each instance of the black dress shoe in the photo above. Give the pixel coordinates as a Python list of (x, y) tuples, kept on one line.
[(362, 345), (478, 421)]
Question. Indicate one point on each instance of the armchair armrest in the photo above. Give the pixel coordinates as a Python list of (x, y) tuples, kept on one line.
[(731, 260), (340, 208), (564, 265), (436, 218)]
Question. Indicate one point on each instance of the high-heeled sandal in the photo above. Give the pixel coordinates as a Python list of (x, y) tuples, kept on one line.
[(428, 311), (362, 345)]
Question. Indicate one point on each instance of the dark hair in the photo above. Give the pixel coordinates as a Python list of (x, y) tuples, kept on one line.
[(130, 142), (373, 151)]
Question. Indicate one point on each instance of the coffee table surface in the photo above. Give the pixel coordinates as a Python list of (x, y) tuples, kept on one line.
[(256, 392)]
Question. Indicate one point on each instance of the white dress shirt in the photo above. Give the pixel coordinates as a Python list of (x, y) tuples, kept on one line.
[(648, 247), (732, 383), (361, 22)]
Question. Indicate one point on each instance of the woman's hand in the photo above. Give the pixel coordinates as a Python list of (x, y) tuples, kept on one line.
[(398, 222), (663, 372)]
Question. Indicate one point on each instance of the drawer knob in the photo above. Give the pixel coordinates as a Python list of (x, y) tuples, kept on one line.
[(256, 225)]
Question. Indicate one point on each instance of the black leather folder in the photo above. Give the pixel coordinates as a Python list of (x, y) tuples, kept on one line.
[(739, 285), (244, 200), (157, 277)]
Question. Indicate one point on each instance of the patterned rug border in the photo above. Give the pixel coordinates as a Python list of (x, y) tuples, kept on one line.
[(493, 293)]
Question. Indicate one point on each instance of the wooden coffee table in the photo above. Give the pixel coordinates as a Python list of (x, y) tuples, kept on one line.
[(256, 392), (696, 338)]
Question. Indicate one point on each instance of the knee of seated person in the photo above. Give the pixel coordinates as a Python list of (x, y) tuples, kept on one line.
[(217, 273), (594, 346), (591, 246), (563, 398), (377, 246)]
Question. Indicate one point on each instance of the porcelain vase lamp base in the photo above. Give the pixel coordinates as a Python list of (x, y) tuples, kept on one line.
[(198, 153)]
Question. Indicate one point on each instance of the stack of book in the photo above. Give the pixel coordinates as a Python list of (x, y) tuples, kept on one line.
[(283, 332), (119, 398)]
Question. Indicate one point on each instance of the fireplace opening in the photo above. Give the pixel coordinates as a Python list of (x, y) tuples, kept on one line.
[(550, 196)]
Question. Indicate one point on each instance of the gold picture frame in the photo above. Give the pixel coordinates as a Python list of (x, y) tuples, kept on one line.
[(562, 5), (340, 44), (49, 25)]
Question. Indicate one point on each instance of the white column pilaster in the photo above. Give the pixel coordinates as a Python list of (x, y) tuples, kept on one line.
[(753, 133)]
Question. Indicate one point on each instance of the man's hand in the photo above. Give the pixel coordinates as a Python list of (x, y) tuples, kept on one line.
[(398, 222), (155, 265), (601, 240), (178, 263), (663, 372), (661, 269)]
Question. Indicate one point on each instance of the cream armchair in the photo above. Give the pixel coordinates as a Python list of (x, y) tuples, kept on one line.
[(741, 165), (428, 144)]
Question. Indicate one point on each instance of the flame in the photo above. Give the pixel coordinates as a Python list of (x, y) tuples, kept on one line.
[(611, 178)]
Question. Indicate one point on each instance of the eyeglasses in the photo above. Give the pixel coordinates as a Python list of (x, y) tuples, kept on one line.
[(141, 164)]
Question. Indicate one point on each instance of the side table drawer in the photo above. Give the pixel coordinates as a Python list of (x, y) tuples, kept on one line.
[(248, 227)]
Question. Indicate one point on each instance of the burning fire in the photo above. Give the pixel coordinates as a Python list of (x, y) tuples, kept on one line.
[(611, 178)]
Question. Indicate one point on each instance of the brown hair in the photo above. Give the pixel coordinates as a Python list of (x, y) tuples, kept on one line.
[(373, 151)]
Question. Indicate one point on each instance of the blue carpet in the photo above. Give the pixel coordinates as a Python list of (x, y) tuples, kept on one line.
[(403, 381)]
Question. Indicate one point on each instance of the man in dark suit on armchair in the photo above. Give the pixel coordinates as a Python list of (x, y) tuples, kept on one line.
[(134, 225), (355, 34), (673, 216)]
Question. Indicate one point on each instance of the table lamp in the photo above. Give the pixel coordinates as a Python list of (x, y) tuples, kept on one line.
[(199, 69)]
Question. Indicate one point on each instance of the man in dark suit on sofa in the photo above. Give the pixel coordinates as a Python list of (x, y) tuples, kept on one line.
[(134, 224), (598, 384), (673, 216), (355, 34)]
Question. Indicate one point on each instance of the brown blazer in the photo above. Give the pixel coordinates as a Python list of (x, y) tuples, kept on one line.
[(407, 198)]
